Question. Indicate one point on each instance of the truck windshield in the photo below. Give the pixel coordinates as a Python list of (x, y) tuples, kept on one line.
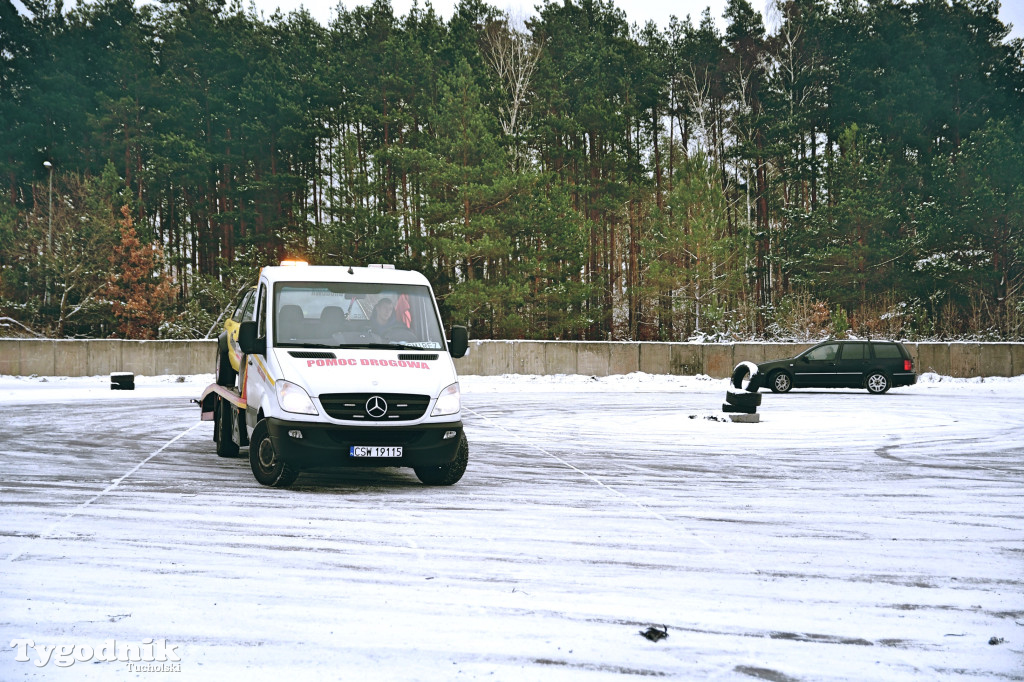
[(351, 315)]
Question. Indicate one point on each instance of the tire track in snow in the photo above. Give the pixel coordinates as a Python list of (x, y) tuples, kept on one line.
[(938, 462), (742, 566), (608, 488), (74, 512)]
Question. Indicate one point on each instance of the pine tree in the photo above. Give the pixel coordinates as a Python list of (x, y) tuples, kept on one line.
[(693, 259), (471, 184), (138, 292)]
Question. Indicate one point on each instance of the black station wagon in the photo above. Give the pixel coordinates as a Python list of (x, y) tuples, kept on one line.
[(874, 365)]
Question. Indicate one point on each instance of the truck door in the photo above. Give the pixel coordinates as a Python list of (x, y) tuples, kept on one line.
[(257, 378)]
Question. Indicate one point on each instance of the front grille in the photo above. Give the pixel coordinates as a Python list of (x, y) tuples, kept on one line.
[(387, 437), (417, 356), (353, 406), (312, 354)]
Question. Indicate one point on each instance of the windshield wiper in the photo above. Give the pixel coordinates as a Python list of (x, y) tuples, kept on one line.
[(305, 345), (377, 346)]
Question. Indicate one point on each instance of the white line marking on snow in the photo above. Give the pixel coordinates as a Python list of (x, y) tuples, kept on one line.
[(730, 558), (117, 482), (627, 498)]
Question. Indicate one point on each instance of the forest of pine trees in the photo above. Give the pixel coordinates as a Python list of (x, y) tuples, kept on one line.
[(844, 166)]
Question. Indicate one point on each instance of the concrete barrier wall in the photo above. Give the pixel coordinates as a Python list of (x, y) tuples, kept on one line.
[(46, 357)]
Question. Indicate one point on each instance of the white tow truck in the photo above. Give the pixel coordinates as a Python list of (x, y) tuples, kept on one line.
[(342, 366)]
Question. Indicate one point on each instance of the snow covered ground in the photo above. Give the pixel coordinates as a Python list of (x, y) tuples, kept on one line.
[(845, 537)]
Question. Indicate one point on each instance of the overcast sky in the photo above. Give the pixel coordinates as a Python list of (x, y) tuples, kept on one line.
[(637, 11)]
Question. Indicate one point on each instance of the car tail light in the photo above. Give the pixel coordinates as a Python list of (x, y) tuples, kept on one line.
[(908, 365)]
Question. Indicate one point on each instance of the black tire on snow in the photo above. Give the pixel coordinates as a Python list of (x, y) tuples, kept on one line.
[(743, 399), (740, 374), (446, 474), (743, 409), (877, 383), (268, 468), (780, 382), (222, 415), (224, 371)]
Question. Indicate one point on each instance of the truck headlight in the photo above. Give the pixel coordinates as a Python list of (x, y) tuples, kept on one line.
[(292, 398), (448, 402)]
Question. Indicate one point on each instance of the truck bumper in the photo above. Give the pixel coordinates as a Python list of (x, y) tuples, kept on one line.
[(327, 445)]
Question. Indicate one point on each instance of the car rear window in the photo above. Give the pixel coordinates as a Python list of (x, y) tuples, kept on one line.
[(887, 351), (854, 351)]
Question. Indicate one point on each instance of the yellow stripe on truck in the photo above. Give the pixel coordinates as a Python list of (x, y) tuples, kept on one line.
[(264, 372)]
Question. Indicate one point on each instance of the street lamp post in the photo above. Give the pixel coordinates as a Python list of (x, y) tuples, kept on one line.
[(49, 231)]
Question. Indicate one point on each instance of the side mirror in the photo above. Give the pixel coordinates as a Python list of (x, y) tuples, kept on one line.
[(459, 343), (248, 341), (804, 358)]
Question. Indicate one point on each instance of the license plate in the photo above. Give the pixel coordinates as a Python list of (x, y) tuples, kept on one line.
[(375, 451)]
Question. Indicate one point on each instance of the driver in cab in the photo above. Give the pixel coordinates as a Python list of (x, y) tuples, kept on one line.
[(383, 318)]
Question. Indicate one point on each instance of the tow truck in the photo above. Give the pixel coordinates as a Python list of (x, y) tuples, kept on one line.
[(339, 366)]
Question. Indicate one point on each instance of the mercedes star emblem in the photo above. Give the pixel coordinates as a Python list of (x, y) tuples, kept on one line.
[(376, 407)]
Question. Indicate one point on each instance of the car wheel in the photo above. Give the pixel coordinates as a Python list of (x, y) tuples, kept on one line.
[(224, 371), (222, 430), (446, 474), (877, 383), (780, 382), (268, 467)]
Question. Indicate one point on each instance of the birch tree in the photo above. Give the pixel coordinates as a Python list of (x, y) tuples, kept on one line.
[(512, 55)]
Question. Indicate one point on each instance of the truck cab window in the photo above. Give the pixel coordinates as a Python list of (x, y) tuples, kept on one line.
[(261, 312), (346, 315)]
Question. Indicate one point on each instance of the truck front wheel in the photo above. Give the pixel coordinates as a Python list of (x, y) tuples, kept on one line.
[(268, 466), (446, 474)]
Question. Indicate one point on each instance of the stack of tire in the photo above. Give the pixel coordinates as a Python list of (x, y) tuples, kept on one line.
[(742, 398)]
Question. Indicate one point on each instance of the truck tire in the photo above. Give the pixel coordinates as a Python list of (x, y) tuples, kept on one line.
[(268, 468), (446, 474), (223, 415)]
